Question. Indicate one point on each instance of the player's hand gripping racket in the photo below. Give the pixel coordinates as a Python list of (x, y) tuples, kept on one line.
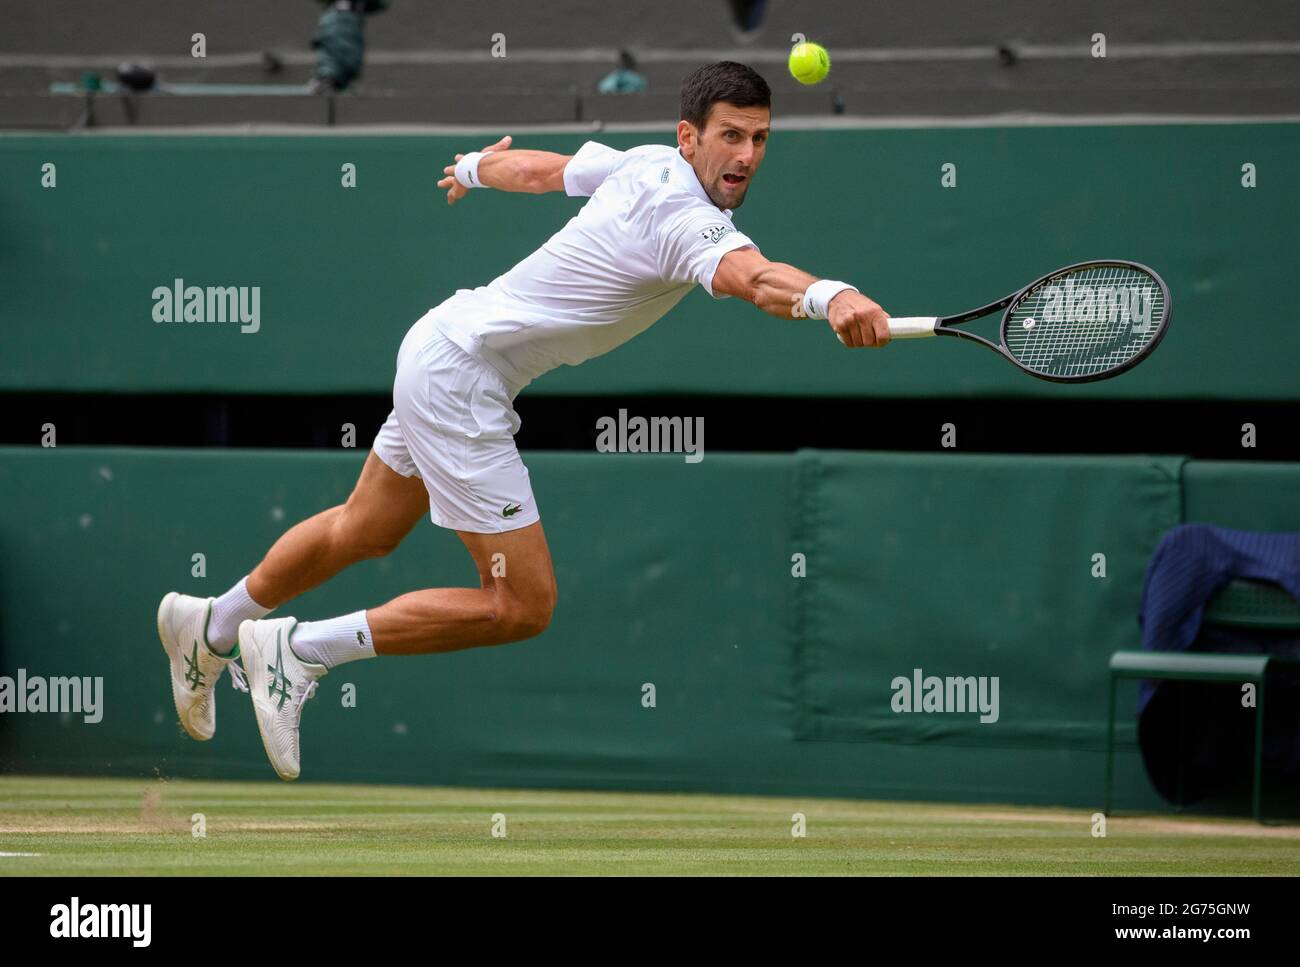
[(1080, 323)]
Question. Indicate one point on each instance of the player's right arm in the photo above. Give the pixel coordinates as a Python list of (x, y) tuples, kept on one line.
[(535, 172), (780, 290)]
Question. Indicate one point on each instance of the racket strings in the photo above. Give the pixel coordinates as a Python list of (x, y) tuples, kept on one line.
[(1086, 321)]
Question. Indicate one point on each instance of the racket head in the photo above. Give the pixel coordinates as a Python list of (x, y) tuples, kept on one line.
[(1087, 321)]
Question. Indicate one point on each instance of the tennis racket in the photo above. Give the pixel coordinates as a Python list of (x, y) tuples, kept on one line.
[(1085, 322)]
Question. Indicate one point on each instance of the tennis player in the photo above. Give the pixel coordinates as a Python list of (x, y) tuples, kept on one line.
[(657, 222)]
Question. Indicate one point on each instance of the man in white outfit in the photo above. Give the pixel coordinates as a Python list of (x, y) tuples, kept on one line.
[(657, 222)]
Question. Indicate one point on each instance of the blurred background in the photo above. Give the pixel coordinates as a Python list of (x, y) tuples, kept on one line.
[(433, 63), (949, 509)]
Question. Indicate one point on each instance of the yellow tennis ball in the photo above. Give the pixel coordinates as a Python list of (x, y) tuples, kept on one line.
[(809, 63)]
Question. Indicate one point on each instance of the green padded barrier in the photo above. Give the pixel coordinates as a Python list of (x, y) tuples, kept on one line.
[(669, 573), (344, 271), (972, 567), (1246, 496), (1242, 495), (92, 538)]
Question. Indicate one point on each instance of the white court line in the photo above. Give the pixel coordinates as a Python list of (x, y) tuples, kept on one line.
[(2, 855)]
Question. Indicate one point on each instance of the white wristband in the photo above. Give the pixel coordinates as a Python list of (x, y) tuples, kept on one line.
[(817, 298), (467, 169)]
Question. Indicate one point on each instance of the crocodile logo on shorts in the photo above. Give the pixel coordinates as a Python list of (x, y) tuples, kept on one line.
[(509, 510)]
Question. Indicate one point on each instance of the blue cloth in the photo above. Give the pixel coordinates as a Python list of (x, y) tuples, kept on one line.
[(622, 82), (1191, 565)]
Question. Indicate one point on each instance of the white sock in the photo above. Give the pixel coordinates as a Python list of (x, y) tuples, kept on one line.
[(228, 611), (334, 641)]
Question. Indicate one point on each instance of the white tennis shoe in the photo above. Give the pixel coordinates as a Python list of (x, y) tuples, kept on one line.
[(195, 668), (280, 683)]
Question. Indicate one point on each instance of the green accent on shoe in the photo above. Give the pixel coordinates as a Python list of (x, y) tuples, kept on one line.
[(193, 677), (207, 620), (280, 683), (208, 644), (293, 651)]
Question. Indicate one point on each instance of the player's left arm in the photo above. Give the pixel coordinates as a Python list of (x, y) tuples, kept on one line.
[(506, 169), (783, 290)]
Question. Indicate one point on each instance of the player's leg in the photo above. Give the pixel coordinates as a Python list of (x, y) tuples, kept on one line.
[(457, 427), (514, 600), (286, 659), (384, 505), (380, 512), (200, 635), (516, 592)]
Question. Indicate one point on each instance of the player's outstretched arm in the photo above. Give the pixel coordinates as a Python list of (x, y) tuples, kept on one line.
[(783, 290), (497, 166)]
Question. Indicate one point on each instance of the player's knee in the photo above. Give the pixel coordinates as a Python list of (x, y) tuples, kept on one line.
[(527, 618), (378, 548), (532, 623)]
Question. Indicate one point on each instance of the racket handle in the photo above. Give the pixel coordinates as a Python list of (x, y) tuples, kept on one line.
[(912, 327)]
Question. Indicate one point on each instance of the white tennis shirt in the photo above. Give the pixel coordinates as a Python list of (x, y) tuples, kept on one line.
[(647, 235)]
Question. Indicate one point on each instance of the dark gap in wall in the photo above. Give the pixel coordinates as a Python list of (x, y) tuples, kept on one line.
[(1197, 428)]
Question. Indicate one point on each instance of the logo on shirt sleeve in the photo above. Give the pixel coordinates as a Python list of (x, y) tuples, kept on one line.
[(715, 233)]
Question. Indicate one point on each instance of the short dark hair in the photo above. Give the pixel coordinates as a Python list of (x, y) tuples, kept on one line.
[(726, 81)]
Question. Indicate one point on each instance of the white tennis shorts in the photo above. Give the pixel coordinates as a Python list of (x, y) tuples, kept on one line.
[(453, 426)]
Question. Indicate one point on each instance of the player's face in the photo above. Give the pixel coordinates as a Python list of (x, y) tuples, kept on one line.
[(727, 153)]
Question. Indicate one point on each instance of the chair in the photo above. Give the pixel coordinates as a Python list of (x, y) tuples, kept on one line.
[(1242, 604)]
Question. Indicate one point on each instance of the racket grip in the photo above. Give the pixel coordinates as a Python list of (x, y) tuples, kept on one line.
[(912, 327)]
